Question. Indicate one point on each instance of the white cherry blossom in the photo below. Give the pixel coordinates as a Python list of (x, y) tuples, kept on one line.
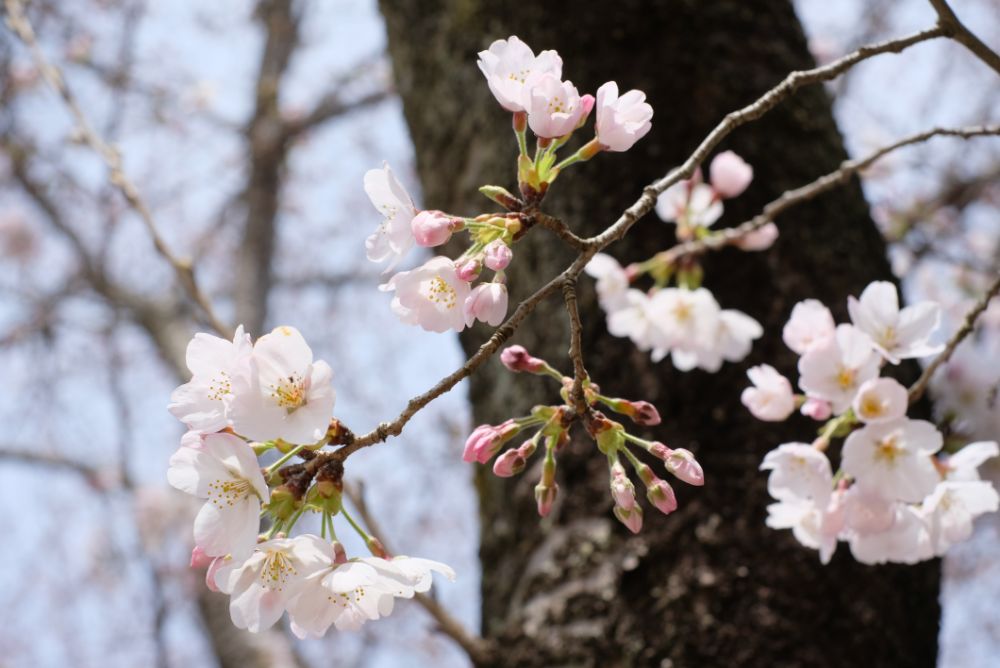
[(215, 363), (906, 541), (684, 319), (261, 587), (964, 464), (950, 510), (288, 395), (810, 326), (554, 107), (689, 203), (771, 397), (880, 400), (896, 334), (612, 281), (621, 121), (488, 303), (394, 237), (510, 68), (631, 319), (894, 458), (798, 471), (431, 296), (222, 469), (836, 370)]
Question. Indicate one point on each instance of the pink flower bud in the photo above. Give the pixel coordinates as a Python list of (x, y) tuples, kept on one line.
[(376, 547), (660, 451), (545, 496), (486, 440), (641, 412), (339, 553), (433, 228), (488, 303), (630, 518), (517, 359), (622, 489), (468, 270), (817, 409), (508, 464), (729, 174), (685, 467), (497, 255), (661, 495), (760, 239)]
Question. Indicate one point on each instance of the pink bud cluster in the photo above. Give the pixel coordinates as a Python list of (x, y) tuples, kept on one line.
[(895, 498), (551, 426)]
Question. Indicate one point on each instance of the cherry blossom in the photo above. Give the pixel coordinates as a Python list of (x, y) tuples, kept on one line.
[(816, 524), (684, 319), (880, 400), (758, 240), (621, 121), (817, 409), (798, 471), (288, 395), (631, 319), (907, 540), (771, 398), (894, 458), (810, 326), (431, 296), (510, 68), (733, 339), (487, 302), (554, 107), (202, 403), (690, 203), (729, 174), (951, 508), (261, 586), (834, 371), (896, 334), (964, 464), (223, 470), (612, 281), (394, 237)]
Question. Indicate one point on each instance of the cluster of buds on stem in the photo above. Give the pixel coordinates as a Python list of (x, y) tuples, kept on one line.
[(550, 426)]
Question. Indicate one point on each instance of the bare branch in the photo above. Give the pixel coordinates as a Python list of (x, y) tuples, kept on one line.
[(575, 345), (948, 20), (968, 325), (19, 23)]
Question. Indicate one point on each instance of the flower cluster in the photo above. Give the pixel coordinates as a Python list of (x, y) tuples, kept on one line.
[(244, 399), (685, 322), (442, 294), (551, 425), (896, 497)]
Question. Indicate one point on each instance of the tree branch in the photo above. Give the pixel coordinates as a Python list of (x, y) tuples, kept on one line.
[(954, 28), (968, 325), (19, 23)]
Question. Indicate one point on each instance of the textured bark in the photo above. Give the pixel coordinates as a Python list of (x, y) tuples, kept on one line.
[(710, 585)]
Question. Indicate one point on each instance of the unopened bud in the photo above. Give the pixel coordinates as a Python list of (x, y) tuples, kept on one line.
[(517, 359), (622, 488), (497, 255), (486, 440), (545, 496), (661, 495), (586, 106), (817, 409), (283, 503), (509, 464), (468, 270), (631, 518), (501, 196), (433, 228), (641, 412), (339, 553), (685, 467)]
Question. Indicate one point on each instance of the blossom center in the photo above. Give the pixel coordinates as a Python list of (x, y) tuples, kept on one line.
[(846, 378), (888, 450), (220, 386), (290, 393), (872, 407), (228, 492), (278, 568), (440, 292)]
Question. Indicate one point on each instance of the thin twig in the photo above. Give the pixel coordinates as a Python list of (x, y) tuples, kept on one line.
[(823, 184), (18, 22), (955, 29), (575, 345), (918, 388), (478, 649)]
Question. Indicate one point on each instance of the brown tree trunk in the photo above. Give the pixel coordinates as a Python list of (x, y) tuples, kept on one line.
[(709, 585)]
